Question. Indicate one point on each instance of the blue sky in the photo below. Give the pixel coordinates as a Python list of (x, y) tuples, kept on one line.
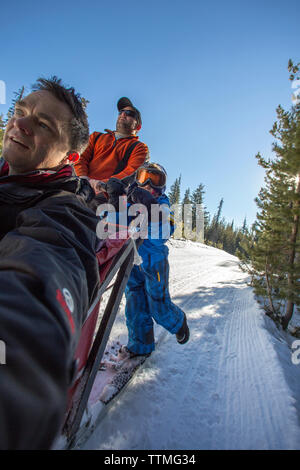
[(207, 78)]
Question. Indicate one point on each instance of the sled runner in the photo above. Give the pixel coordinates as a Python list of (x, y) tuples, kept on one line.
[(116, 257)]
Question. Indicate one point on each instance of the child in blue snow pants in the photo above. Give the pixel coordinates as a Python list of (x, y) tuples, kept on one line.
[(148, 298), (147, 290)]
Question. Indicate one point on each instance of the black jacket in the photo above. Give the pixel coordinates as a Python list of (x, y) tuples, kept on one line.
[(48, 279)]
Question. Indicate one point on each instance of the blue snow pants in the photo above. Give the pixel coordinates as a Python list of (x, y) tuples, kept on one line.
[(148, 298)]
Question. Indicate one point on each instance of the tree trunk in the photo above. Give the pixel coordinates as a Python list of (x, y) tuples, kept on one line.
[(269, 289)]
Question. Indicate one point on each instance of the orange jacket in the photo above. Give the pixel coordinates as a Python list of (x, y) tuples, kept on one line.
[(100, 161)]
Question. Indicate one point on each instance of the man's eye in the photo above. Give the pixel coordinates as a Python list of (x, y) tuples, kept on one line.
[(18, 112), (43, 125)]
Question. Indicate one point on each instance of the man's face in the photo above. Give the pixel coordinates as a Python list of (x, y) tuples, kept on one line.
[(36, 137), (126, 124)]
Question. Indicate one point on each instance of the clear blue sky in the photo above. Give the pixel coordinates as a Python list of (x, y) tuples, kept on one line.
[(207, 77)]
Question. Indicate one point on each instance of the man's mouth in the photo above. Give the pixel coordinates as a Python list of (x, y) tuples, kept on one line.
[(17, 141)]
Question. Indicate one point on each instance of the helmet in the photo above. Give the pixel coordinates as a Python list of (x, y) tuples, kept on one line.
[(153, 174)]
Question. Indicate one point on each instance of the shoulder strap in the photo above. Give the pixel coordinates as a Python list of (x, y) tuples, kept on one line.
[(122, 163), (96, 138), (98, 135)]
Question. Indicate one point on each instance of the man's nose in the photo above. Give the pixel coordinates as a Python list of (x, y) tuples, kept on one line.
[(24, 124)]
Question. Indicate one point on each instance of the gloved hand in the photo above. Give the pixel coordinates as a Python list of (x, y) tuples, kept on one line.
[(115, 187), (101, 186), (142, 196), (130, 190), (86, 190)]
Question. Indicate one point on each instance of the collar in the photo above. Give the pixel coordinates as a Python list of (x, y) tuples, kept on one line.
[(37, 176), (121, 136)]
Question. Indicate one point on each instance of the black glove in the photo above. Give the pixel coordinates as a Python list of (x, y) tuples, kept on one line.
[(142, 196), (86, 190), (115, 187), (130, 190)]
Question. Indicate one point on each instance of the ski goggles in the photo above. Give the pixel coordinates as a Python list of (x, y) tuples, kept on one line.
[(128, 112), (150, 176)]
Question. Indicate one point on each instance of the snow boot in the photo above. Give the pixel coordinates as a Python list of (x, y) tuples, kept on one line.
[(125, 353), (183, 333)]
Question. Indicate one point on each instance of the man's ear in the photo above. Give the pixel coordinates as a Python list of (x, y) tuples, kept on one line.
[(138, 127), (73, 157)]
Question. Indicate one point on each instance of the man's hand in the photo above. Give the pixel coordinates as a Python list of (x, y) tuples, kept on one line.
[(142, 196), (115, 187), (97, 185)]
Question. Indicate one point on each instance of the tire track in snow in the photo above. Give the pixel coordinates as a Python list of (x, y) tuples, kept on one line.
[(196, 375), (254, 413)]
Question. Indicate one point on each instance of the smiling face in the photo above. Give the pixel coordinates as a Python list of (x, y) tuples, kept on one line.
[(37, 137)]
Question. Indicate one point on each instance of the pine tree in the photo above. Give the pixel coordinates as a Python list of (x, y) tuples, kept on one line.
[(187, 197), (187, 215), (276, 249), (174, 193), (197, 198), (174, 197), (214, 228), (244, 227)]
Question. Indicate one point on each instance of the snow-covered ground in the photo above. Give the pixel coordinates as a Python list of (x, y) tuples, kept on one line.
[(232, 386)]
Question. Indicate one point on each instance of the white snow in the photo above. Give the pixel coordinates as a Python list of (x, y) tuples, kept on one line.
[(232, 386)]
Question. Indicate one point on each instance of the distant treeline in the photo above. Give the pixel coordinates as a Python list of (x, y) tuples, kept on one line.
[(217, 232)]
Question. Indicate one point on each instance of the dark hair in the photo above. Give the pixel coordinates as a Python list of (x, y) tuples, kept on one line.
[(78, 127)]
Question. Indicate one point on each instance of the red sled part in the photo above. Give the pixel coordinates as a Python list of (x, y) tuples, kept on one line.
[(115, 257)]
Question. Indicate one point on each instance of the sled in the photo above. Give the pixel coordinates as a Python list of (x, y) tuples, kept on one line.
[(116, 257)]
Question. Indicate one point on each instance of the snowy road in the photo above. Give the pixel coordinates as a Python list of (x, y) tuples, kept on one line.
[(225, 389)]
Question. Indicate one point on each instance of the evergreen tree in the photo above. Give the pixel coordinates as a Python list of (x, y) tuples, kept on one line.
[(174, 197), (214, 228), (187, 197), (244, 227), (275, 266), (197, 198), (187, 215), (219, 211), (174, 193)]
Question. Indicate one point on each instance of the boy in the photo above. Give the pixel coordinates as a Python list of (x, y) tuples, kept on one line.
[(147, 290)]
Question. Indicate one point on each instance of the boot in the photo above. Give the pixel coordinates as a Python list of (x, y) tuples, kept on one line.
[(183, 333)]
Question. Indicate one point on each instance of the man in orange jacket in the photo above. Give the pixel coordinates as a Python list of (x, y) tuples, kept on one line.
[(116, 153)]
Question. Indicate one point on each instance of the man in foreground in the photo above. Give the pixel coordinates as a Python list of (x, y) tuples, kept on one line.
[(48, 268)]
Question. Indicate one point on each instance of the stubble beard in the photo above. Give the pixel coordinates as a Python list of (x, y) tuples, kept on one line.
[(124, 128)]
